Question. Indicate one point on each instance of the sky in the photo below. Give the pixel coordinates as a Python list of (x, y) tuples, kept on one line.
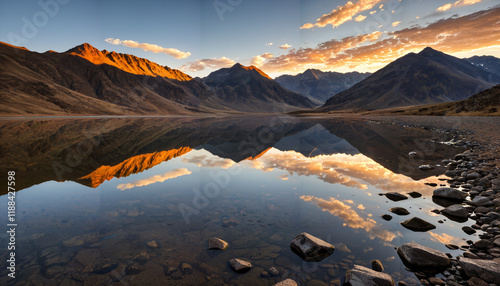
[(278, 36)]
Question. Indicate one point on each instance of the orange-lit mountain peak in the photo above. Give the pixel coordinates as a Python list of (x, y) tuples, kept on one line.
[(126, 62), (252, 68), (12, 46), (132, 165), (258, 155)]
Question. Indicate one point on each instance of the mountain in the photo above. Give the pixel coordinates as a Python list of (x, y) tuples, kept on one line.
[(319, 86), (489, 63), (54, 83), (414, 79), (486, 102), (251, 90), (87, 81), (125, 62)]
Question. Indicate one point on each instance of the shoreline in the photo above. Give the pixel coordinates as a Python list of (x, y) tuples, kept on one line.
[(476, 172)]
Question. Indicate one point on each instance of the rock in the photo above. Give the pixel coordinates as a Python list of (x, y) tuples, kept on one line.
[(450, 194), (483, 244), (474, 281), (481, 201), (386, 217), (425, 167), (418, 224), (186, 268), (264, 274), (456, 211), (273, 271), (240, 265), (422, 256), (399, 211), (436, 281), (287, 282), (497, 242), (452, 246), (152, 244), (217, 243), (415, 195), (394, 196), (362, 276), (470, 255), (311, 248), (316, 282), (469, 230), (473, 176), (412, 154), (377, 265), (133, 269), (104, 267), (487, 270), (450, 173), (481, 209)]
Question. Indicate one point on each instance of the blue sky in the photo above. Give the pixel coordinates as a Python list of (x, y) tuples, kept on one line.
[(204, 35)]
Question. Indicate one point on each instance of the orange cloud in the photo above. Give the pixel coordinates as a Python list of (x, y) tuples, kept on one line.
[(445, 238), (375, 50), (155, 179), (205, 161), (354, 171), (342, 14), (458, 3), (351, 217), (149, 48), (259, 60), (396, 23), (213, 63), (360, 18), (285, 46)]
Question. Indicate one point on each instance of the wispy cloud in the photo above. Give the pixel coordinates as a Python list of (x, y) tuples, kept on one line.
[(155, 179), (394, 24), (342, 14), (149, 48), (373, 51), (213, 63), (269, 44), (285, 46), (360, 18), (458, 3)]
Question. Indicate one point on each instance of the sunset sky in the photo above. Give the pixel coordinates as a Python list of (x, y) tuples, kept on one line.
[(279, 36)]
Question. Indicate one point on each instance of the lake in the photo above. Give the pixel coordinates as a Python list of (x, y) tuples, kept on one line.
[(133, 201)]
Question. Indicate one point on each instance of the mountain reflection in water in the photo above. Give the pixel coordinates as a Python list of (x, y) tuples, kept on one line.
[(121, 199)]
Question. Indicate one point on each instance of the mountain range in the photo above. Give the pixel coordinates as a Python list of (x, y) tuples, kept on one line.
[(319, 86), (87, 81), (414, 79)]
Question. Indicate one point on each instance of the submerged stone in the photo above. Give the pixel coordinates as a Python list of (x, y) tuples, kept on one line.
[(217, 243), (240, 265), (362, 276), (311, 248)]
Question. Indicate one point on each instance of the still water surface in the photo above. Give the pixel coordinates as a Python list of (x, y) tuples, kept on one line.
[(129, 200)]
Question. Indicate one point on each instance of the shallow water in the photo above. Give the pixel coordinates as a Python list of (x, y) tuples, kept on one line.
[(91, 193)]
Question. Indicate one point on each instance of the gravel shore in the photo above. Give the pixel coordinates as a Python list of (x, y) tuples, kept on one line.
[(475, 172)]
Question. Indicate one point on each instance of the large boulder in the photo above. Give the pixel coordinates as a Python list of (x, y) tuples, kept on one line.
[(422, 256), (488, 270), (450, 194), (456, 211), (362, 276), (311, 248), (417, 224)]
